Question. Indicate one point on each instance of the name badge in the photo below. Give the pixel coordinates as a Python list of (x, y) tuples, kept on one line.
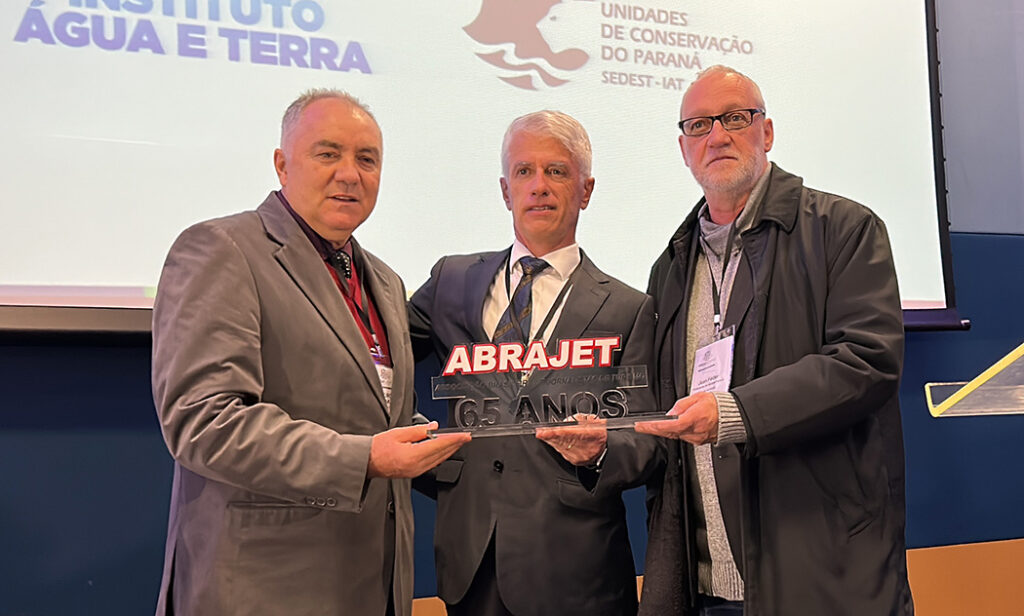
[(386, 374), (712, 364)]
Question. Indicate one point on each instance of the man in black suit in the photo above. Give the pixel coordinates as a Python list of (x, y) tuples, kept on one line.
[(531, 525)]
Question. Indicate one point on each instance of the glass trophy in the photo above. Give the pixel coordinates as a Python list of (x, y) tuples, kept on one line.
[(510, 388), (999, 390)]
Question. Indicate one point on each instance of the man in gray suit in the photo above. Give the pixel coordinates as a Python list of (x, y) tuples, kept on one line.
[(282, 375), (525, 528)]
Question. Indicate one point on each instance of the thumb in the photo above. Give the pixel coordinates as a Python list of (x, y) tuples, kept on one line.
[(414, 433), (681, 406)]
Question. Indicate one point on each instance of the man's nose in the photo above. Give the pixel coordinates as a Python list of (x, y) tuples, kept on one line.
[(718, 134), (539, 184), (346, 171)]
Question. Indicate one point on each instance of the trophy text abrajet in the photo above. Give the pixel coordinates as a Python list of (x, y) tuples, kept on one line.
[(511, 388)]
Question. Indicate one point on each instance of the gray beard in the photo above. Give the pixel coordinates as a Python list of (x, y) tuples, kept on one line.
[(742, 179)]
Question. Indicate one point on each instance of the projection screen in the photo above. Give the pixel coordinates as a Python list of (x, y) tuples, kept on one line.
[(128, 120)]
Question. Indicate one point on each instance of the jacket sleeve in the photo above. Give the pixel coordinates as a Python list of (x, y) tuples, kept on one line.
[(632, 458), (420, 308), (208, 376), (856, 368)]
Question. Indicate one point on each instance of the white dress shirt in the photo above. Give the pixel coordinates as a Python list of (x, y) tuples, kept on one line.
[(546, 287)]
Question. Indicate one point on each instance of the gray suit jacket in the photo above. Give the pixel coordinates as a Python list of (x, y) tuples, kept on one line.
[(560, 536), (267, 397)]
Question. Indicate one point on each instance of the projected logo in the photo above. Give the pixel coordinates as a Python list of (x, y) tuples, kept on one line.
[(511, 31)]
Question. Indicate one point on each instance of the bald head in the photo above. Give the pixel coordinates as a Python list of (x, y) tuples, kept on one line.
[(725, 74)]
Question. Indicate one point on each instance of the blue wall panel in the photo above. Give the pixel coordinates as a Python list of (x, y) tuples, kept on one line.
[(965, 475), (86, 478)]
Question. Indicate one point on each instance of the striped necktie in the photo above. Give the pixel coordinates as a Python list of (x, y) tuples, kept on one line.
[(514, 324)]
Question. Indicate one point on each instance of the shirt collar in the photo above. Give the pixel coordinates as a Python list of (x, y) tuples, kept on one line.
[(322, 246), (749, 212), (563, 261)]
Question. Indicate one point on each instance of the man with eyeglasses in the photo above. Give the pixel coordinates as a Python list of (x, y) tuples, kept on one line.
[(779, 347)]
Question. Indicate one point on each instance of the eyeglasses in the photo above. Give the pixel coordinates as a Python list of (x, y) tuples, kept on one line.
[(730, 120)]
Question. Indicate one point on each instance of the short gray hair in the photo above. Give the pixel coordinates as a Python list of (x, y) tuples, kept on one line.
[(307, 98), (561, 126)]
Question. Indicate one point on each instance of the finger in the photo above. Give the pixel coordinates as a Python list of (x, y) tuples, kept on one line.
[(414, 433), (593, 428), (682, 405), (430, 454), (442, 443), (696, 439), (565, 435), (459, 437), (555, 437), (667, 428), (559, 442)]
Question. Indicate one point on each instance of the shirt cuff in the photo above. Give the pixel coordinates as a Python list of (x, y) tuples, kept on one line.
[(730, 422), (599, 462)]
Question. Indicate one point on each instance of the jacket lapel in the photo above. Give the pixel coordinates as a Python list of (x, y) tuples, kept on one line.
[(740, 295), (580, 306), (389, 301), (479, 277), (303, 265), (670, 301), (674, 294)]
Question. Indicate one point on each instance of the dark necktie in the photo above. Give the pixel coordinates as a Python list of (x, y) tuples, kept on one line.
[(514, 324), (341, 262)]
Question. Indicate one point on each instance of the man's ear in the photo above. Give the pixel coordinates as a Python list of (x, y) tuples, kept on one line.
[(504, 193), (686, 160), (280, 167), (588, 190)]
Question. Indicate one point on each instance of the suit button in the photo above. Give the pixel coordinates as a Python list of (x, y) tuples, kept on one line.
[(320, 502), (310, 500), (391, 507), (499, 466), (331, 502)]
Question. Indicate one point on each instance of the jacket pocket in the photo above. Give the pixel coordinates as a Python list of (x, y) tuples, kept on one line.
[(245, 514), (574, 495), (448, 471), (273, 553), (836, 472)]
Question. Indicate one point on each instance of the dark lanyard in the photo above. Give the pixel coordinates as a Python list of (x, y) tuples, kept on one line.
[(551, 311), (725, 266), (377, 351)]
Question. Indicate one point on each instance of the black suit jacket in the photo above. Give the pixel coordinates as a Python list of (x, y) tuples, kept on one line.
[(560, 533)]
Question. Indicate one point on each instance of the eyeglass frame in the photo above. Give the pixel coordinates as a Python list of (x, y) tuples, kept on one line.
[(753, 112)]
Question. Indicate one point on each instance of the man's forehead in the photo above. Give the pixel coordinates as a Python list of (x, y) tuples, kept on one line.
[(337, 121), (717, 93), (327, 111), (539, 143), (330, 106)]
